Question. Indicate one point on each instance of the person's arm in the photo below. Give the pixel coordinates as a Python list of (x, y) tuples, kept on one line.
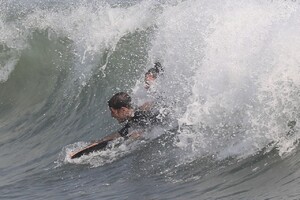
[(146, 106), (110, 137), (136, 134), (123, 132), (133, 135)]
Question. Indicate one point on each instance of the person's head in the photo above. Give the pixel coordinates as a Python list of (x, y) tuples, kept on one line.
[(152, 74), (120, 107)]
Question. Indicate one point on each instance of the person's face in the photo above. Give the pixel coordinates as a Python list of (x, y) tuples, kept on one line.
[(121, 114), (149, 80)]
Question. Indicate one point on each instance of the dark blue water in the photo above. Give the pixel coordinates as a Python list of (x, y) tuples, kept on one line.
[(231, 87)]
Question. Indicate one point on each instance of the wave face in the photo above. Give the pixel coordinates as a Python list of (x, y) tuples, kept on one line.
[(231, 86)]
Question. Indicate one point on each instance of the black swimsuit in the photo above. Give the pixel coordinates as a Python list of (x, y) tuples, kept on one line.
[(141, 119)]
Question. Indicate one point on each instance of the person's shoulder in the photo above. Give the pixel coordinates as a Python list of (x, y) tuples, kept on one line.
[(140, 114), (145, 115)]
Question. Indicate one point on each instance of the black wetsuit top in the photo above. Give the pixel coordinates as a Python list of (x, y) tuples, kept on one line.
[(141, 119)]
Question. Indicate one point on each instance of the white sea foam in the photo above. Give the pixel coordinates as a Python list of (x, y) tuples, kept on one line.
[(234, 72), (7, 68), (12, 42)]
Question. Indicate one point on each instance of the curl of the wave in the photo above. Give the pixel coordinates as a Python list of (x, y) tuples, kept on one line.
[(231, 74)]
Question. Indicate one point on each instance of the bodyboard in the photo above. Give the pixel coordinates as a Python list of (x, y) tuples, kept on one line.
[(96, 146)]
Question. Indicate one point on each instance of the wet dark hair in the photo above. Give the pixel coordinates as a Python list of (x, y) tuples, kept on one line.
[(155, 70), (119, 100)]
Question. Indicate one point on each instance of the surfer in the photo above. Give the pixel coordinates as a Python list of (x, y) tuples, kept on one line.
[(122, 110), (136, 119), (136, 122)]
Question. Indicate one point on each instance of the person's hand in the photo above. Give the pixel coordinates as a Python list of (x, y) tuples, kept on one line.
[(146, 106), (135, 135)]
